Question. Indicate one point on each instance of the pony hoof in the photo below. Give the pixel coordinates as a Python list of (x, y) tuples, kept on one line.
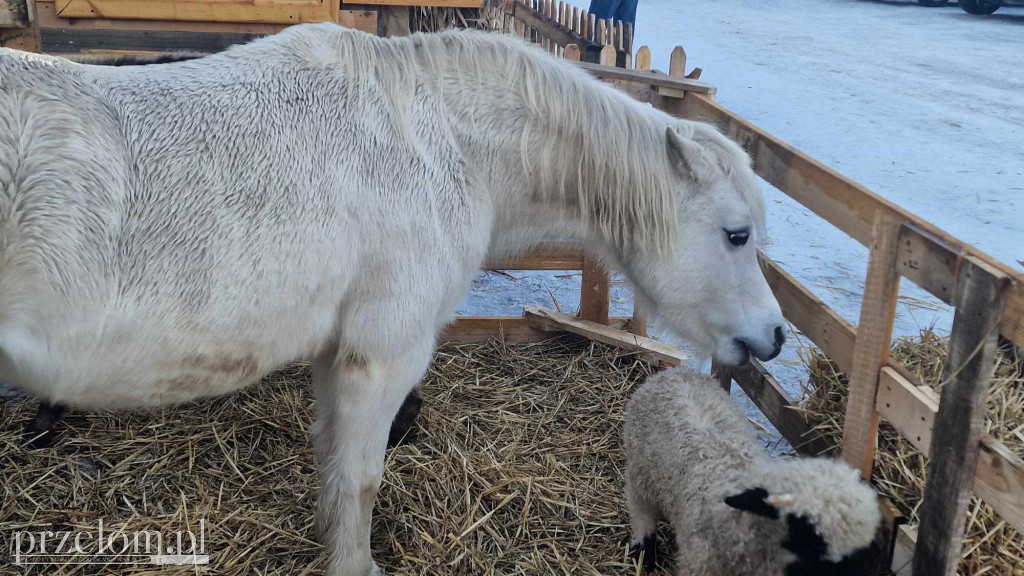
[(648, 548)]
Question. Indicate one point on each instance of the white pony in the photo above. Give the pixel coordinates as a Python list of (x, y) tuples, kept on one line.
[(175, 231)]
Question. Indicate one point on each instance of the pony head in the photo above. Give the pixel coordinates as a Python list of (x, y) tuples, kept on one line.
[(709, 286)]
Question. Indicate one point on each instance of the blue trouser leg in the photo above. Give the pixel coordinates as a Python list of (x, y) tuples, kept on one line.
[(624, 10)]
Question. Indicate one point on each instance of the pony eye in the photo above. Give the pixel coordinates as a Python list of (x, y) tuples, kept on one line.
[(738, 237)]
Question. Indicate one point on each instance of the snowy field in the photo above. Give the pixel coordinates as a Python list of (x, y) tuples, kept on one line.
[(925, 106)]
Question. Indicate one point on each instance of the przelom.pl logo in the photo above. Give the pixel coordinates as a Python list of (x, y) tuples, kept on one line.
[(109, 546)]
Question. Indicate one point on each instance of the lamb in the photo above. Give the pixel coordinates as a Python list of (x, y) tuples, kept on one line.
[(694, 459)]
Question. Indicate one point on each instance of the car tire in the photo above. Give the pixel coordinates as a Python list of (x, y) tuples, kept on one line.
[(979, 7)]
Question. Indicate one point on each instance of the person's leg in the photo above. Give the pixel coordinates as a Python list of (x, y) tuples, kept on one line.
[(626, 11), (604, 8)]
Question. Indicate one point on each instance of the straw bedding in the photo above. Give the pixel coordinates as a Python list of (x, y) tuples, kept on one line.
[(991, 547), (516, 469)]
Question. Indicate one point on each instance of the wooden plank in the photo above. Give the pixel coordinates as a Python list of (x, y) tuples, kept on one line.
[(847, 205), (549, 320), (648, 78), (551, 257), (638, 324), (70, 40), (594, 291), (513, 329), (590, 51), (871, 350), (643, 59), (979, 301), (922, 263), (766, 393), (824, 326), (1000, 481), (909, 408), (24, 39), (903, 554), (677, 63), (430, 3), (14, 14), (293, 12), (607, 56)]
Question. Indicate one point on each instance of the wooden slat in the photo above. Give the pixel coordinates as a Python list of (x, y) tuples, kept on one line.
[(911, 409), (764, 390), (595, 288), (220, 11), (643, 59), (648, 78), (824, 326), (677, 62), (871, 349), (922, 263), (514, 329), (980, 298), (845, 204), (551, 257), (546, 319)]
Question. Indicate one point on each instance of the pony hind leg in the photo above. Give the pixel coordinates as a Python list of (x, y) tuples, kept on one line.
[(356, 400)]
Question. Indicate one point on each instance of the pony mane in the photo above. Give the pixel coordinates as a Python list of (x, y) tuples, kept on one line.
[(586, 145)]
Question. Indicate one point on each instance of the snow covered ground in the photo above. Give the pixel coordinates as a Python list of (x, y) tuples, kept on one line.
[(925, 106)]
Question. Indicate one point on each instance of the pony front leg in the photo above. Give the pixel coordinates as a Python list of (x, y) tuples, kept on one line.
[(356, 399)]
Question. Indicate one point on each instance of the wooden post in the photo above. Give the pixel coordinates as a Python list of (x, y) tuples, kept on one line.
[(643, 59), (592, 28), (576, 19), (602, 31), (629, 37), (608, 56), (980, 298), (677, 62), (620, 41), (871, 349), (572, 52), (723, 374), (594, 291)]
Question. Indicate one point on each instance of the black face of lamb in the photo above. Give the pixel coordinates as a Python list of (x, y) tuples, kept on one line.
[(810, 549)]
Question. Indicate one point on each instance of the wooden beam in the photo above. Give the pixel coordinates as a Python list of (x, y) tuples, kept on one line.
[(824, 326), (928, 261), (845, 204), (549, 320), (589, 50), (764, 390), (221, 11), (515, 329), (910, 408), (595, 288), (979, 301), (648, 78), (871, 349), (549, 257)]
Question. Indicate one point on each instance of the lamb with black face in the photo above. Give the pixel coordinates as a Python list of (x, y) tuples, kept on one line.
[(693, 458)]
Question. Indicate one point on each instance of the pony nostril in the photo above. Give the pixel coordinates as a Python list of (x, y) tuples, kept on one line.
[(780, 337)]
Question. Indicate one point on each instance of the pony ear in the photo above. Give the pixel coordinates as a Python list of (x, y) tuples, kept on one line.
[(755, 501), (687, 156)]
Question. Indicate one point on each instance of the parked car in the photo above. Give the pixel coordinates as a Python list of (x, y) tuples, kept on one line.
[(982, 7)]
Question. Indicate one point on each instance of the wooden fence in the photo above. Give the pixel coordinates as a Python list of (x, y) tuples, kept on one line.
[(988, 297)]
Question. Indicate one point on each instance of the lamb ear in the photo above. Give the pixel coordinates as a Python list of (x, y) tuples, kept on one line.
[(686, 156), (754, 501)]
